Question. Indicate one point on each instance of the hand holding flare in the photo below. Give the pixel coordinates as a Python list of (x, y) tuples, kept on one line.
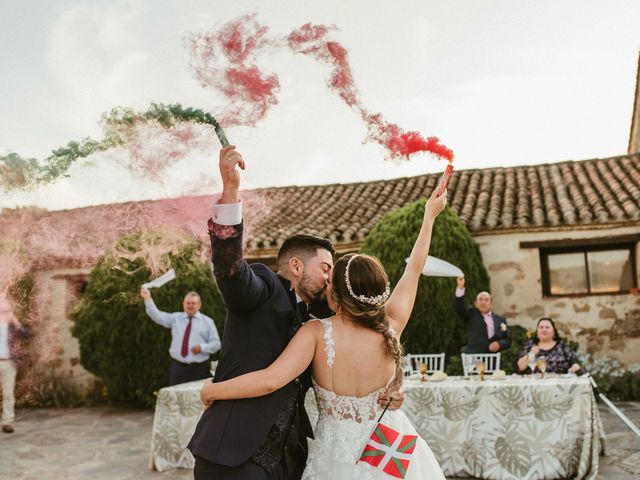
[(444, 180)]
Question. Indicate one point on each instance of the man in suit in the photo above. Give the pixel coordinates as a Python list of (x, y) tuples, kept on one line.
[(486, 331), (258, 438)]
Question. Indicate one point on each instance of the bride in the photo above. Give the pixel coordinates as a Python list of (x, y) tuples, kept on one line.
[(354, 355)]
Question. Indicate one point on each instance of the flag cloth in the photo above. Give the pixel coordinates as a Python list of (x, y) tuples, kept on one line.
[(389, 451)]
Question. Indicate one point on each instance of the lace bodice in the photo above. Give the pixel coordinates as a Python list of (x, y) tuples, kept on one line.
[(342, 407), (344, 427)]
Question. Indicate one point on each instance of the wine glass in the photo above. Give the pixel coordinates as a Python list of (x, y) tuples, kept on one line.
[(531, 361), (423, 372), (406, 366), (467, 363), (542, 365), (480, 367)]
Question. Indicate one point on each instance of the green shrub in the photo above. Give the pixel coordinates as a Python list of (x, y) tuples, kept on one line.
[(434, 326), (119, 343), (615, 381)]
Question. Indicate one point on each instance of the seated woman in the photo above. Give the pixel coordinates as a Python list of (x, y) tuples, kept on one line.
[(548, 344)]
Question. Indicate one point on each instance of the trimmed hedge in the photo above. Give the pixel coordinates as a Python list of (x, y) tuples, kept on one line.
[(119, 343)]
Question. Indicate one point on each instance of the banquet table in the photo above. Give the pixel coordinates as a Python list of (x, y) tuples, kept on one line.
[(178, 409), (513, 428)]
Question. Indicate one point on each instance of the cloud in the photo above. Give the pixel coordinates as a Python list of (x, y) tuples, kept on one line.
[(95, 59)]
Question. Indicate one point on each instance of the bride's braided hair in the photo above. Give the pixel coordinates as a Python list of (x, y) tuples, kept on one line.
[(361, 288)]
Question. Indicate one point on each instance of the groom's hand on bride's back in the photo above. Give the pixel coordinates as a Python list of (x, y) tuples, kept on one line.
[(396, 399)]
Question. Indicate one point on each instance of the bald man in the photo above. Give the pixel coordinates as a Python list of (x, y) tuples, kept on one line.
[(486, 331), (193, 337)]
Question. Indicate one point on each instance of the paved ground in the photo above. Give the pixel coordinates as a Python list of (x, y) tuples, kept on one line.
[(103, 443)]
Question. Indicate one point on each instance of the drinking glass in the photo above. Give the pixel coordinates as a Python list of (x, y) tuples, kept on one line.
[(406, 366), (542, 365), (423, 372), (531, 361), (467, 364)]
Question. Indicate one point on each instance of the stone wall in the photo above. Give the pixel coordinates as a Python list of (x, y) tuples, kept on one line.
[(58, 292), (602, 324)]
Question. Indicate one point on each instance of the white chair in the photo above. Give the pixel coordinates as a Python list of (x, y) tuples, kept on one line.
[(491, 362), (433, 361)]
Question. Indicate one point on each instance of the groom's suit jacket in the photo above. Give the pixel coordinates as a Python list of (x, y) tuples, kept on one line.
[(478, 338), (260, 314)]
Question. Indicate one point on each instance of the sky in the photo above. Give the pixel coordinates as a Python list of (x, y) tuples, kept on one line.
[(501, 82)]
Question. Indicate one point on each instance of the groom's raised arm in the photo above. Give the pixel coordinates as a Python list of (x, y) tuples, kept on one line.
[(240, 287)]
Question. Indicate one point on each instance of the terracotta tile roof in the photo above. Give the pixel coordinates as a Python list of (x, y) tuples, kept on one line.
[(490, 200), (598, 192)]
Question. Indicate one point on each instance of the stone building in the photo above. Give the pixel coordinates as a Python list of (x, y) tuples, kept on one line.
[(558, 240)]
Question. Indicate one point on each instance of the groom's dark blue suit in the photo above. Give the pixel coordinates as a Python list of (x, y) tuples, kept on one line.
[(268, 431)]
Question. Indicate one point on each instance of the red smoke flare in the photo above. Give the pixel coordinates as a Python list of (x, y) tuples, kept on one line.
[(251, 92)]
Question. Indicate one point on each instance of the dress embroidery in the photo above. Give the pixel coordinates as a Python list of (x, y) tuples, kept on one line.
[(329, 345)]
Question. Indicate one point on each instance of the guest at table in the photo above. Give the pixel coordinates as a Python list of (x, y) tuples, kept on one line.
[(193, 338), (548, 344), (486, 331)]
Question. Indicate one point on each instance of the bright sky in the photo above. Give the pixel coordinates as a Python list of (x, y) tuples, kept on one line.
[(501, 82)]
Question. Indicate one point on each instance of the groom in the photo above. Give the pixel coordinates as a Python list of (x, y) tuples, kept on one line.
[(265, 437), (258, 438)]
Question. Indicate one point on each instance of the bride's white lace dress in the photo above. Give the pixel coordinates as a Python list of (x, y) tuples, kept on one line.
[(344, 427)]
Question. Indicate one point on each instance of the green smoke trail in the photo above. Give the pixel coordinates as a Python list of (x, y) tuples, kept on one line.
[(18, 173)]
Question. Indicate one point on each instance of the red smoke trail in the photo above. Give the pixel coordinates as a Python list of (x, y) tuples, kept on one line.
[(251, 92), (223, 60), (310, 40)]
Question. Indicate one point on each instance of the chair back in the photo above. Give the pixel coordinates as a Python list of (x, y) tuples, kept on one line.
[(433, 361), (470, 360)]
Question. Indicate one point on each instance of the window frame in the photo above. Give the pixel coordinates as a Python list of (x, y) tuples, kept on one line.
[(545, 252)]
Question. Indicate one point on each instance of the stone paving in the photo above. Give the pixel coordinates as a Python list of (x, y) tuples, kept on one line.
[(106, 443)]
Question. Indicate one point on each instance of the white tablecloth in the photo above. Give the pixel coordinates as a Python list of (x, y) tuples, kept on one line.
[(516, 428)]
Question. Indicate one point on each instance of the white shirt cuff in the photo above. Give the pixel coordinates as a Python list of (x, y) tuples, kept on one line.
[(459, 292), (227, 213)]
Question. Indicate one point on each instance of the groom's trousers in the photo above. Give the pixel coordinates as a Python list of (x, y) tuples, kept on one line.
[(249, 470)]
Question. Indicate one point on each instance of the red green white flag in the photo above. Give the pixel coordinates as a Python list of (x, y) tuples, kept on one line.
[(389, 451)]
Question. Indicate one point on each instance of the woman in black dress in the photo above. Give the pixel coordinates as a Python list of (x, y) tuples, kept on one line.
[(548, 344)]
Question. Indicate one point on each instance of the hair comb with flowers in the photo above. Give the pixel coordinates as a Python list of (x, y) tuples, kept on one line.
[(376, 300)]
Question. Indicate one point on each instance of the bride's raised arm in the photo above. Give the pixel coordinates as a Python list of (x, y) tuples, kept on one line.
[(403, 297), (292, 362)]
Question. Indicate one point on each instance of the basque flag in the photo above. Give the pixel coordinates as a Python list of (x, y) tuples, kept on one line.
[(389, 451)]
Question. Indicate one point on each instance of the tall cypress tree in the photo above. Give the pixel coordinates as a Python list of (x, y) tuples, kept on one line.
[(434, 326)]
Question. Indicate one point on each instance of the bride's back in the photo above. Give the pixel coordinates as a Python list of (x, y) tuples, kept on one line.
[(362, 363)]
